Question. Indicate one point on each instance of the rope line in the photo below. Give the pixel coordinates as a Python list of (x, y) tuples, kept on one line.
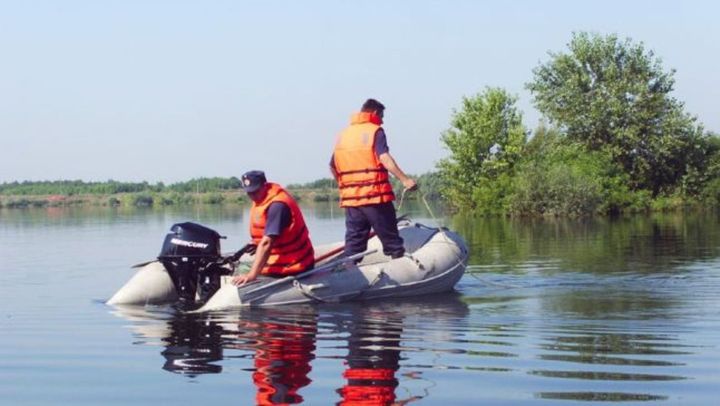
[(402, 199)]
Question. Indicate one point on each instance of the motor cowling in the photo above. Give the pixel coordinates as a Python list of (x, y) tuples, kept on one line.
[(191, 240), (191, 255)]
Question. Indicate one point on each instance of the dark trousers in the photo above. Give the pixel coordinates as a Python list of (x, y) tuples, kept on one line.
[(381, 218)]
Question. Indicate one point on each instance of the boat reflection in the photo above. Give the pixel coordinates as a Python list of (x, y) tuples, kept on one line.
[(192, 346), (373, 357), (283, 343)]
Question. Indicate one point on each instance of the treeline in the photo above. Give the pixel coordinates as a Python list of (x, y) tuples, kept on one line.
[(113, 193), (75, 187), (613, 139), (143, 194), (111, 187)]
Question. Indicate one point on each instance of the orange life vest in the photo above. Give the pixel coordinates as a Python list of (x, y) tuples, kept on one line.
[(292, 251), (362, 179)]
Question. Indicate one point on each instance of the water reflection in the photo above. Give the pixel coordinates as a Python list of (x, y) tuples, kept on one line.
[(373, 357), (599, 245), (192, 345), (282, 343), (393, 352), (601, 396), (591, 338)]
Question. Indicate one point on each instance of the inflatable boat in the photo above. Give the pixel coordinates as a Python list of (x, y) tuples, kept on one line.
[(435, 260)]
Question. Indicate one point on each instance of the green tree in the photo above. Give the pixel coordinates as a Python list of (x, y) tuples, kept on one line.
[(560, 177), (614, 96), (485, 141)]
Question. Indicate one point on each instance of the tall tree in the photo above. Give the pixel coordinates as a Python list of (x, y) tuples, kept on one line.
[(485, 141), (614, 96)]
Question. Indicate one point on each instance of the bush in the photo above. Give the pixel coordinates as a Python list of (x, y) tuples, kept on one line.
[(567, 188), (18, 204), (668, 203), (321, 197), (213, 198), (710, 194), (561, 178), (491, 197), (142, 200), (165, 200)]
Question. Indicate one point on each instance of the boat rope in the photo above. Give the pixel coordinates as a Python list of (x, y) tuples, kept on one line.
[(442, 230), (448, 241), (427, 206), (496, 284), (402, 199)]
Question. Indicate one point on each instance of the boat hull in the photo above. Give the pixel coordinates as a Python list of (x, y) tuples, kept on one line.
[(435, 261)]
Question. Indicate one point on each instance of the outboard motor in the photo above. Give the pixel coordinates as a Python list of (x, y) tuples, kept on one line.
[(191, 255)]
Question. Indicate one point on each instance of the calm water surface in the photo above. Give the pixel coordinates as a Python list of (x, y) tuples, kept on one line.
[(549, 312)]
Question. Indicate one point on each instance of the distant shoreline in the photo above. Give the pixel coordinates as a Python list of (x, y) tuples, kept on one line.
[(111, 193), (201, 191), (151, 199)]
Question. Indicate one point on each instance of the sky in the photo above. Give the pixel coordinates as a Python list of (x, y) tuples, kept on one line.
[(148, 90)]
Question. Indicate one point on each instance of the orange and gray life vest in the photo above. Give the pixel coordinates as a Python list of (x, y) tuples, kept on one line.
[(292, 251), (362, 178)]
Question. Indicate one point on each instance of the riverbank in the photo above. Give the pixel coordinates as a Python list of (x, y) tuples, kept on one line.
[(149, 199), (302, 194)]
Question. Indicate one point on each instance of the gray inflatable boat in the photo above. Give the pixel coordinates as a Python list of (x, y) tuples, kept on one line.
[(435, 260)]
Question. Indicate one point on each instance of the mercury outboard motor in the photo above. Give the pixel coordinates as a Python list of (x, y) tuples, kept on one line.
[(191, 255)]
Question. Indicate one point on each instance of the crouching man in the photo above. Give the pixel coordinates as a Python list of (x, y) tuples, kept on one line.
[(278, 230)]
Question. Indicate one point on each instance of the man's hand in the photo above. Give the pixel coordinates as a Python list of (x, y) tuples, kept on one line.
[(240, 280), (410, 184), (262, 252), (389, 163)]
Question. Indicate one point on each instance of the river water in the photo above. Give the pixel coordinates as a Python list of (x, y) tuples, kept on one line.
[(549, 312)]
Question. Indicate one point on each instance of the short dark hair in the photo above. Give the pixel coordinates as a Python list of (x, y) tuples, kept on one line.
[(372, 105)]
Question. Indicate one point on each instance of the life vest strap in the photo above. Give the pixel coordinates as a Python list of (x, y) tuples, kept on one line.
[(368, 196), (366, 170)]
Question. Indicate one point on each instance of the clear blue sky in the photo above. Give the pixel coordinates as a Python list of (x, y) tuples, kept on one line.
[(171, 90)]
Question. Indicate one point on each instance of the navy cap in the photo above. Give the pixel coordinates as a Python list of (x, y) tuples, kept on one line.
[(253, 180)]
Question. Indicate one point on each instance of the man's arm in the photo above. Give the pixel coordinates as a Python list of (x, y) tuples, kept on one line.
[(389, 163), (261, 256), (278, 219), (382, 151)]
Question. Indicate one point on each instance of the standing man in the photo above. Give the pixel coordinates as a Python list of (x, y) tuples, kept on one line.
[(360, 164), (277, 229)]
